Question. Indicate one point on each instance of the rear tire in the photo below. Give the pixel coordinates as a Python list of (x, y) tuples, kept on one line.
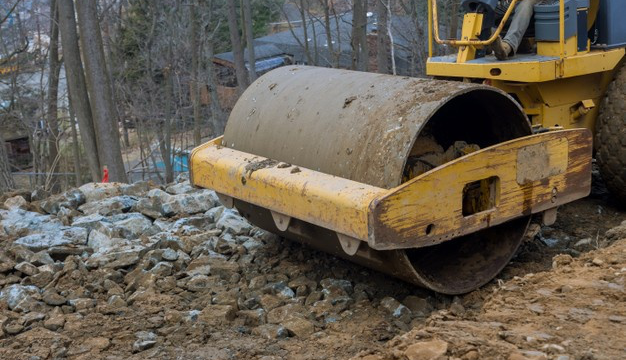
[(611, 138)]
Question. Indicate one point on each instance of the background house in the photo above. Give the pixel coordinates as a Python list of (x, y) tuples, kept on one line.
[(288, 47)]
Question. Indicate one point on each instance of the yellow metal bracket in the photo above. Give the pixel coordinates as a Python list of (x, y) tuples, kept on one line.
[(472, 25), (520, 177)]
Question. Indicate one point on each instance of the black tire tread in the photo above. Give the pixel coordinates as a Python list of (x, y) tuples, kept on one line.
[(610, 137)]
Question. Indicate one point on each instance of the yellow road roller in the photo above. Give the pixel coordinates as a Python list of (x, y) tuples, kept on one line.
[(327, 157), (431, 181)]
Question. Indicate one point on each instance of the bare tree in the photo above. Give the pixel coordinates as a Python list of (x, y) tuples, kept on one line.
[(53, 88), (195, 74), (6, 179), (326, 5), (302, 42), (99, 86), (75, 146), (382, 38), (235, 39), (453, 21), (76, 84), (218, 118), (359, 36), (247, 25), (304, 4)]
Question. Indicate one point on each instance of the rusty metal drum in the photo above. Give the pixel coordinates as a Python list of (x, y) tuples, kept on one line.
[(363, 127)]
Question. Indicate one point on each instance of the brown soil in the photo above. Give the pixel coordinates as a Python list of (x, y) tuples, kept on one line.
[(556, 300)]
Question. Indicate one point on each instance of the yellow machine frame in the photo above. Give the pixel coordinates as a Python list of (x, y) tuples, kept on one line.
[(562, 89), (529, 175)]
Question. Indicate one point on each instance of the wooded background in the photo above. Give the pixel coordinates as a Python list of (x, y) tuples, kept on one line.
[(133, 85)]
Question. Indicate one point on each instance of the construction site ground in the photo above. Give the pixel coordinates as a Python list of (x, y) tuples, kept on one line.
[(167, 273)]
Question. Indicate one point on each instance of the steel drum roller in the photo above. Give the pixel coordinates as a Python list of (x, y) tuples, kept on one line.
[(363, 126)]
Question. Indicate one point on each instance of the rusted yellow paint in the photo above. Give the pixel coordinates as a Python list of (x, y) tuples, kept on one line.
[(472, 24), (550, 104), (535, 173), (328, 201)]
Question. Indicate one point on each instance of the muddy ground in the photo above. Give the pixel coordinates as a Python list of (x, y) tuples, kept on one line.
[(223, 290)]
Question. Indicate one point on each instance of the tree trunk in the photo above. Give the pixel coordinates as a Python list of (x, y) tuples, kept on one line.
[(329, 35), (454, 19), (247, 24), (216, 110), (382, 38), (235, 39), (305, 30), (364, 56), (53, 89), (76, 84), (359, 36), (6, 179), (195, 72), (99, 87), (75, 147), (165, 137)]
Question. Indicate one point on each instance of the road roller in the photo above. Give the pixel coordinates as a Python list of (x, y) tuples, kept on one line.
[(432, 181)]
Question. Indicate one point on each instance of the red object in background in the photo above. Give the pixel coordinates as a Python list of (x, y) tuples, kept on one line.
[(105, 178)]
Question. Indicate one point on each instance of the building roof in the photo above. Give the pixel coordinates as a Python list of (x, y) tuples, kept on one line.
[(290, 42), (262, 51)]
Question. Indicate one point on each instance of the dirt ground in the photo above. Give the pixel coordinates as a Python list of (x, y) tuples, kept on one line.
[(562, 297)]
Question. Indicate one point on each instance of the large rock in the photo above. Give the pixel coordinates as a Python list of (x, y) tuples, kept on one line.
[(218, 314), (152, 205), (191, 225), (39, 194), (63, 237), (16, 202), (109, 206), (6, 263), (118, 257), (55, 320), (89, 222), (21, 298), (145, 340), (165, 240), (132, 225), (180, 188), (617, 233), (102, 243), (394, 308), (231, 222), (138, 189), (194, 203), (427, 350), (71, 199), (284, 313), (18, 222), (299, 327), (99, 191)]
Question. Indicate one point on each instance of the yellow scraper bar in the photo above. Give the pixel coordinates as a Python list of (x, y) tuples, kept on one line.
[(482, 189), (328, 201)]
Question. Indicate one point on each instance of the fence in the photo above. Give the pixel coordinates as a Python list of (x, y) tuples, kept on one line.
[(33, 180)]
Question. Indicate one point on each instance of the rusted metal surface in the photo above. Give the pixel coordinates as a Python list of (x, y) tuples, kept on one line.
[(533, 175), (325, 200), (486, 187), (456, 267), (358, 126)]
